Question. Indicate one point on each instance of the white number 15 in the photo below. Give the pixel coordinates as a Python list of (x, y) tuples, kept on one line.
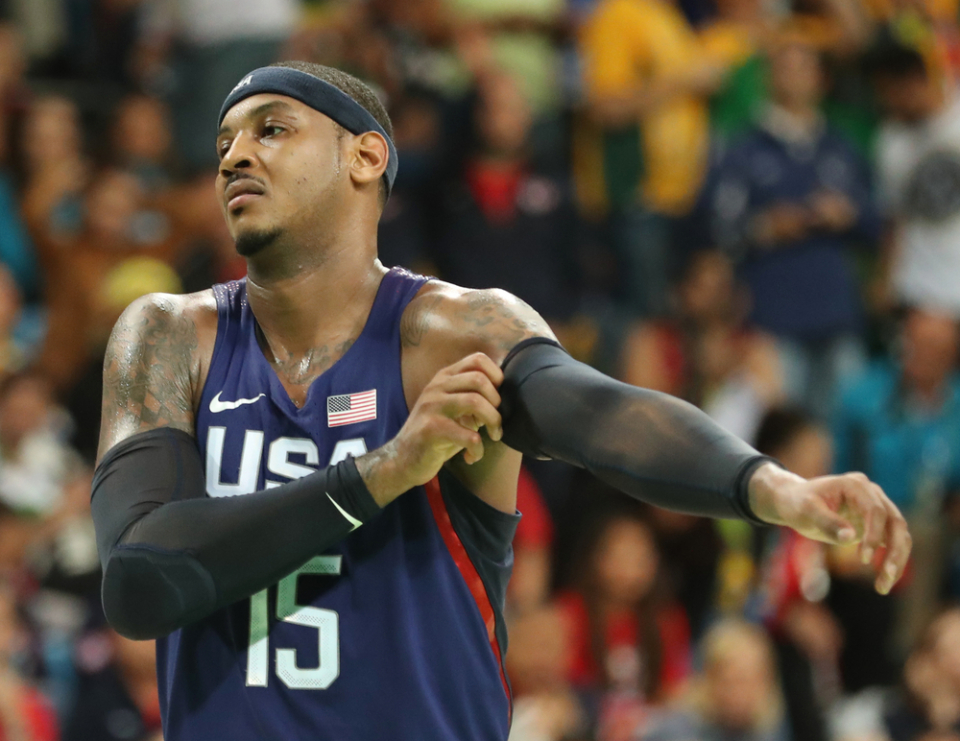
[(325, 622)]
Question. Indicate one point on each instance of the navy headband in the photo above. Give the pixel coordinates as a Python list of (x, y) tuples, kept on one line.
[(319, 95)]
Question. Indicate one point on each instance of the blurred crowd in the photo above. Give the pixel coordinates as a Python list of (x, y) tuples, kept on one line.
[(751, 204)]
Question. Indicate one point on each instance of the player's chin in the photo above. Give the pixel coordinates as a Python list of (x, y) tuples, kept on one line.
[(251, 239)]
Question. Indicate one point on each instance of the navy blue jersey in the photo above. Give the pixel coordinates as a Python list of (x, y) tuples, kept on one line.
[(397, 632)]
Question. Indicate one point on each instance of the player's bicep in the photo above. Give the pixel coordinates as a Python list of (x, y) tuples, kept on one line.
[(148, 371)]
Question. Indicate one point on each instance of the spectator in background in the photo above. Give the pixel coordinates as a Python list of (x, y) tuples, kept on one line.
[(630, 648), (929, 707), (690, 549), (13, 65), (57, 552), (16, 250), (545, 706), (141, 141), (117, 698), (15, 350), (736, 37), (928, 26), (641, 151), (406, 226), (63, 548), (14, 93), (706, 355), (505, 224), (739, 37), (899, 422), (532, 549), (736, 697), (55, 172), (46, 545), (116, 258), (523, 36), (24, 714), (918, 163), (34, 459), (791, 201), (209, 46)]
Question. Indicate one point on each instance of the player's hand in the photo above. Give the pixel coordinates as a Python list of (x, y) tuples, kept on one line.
[(836, 509), (446, 419)]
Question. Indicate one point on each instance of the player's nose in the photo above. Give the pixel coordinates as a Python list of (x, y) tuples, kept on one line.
[(240, 156)]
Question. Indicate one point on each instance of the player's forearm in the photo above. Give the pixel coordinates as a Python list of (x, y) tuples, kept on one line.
[(171, 555), (647, 444)]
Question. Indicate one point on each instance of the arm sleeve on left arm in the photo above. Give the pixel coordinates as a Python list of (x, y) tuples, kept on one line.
[(171, 555), (650, 445)]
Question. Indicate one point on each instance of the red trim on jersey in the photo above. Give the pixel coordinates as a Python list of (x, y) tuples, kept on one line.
[(468, 571)]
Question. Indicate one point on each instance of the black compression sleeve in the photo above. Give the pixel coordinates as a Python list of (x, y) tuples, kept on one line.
[(650, 445), (171, 555)]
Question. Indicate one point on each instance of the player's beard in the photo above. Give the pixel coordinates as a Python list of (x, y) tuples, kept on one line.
[(250, 243)]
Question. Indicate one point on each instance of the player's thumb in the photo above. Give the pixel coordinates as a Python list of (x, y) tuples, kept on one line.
[(830, 526)]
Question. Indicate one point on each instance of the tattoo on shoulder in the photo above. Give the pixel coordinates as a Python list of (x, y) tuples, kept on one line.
[(148, 372), (416, 320), (504, 321), (496, 318)]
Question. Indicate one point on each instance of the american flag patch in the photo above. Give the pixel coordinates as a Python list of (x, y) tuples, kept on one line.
[(347, 409)]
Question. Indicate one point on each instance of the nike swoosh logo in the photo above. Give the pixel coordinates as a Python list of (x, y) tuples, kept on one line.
[(217, 406), (350, 518)]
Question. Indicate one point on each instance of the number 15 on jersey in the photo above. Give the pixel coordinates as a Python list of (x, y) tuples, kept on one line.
[(325, 622)]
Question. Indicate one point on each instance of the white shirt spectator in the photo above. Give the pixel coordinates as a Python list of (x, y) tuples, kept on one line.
[(919, 171), (207, 22), (32, 477)]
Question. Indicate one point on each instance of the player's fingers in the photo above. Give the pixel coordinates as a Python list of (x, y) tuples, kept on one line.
[(471, 404), (828, 526), (899, 544), (460, 438), (481, 362), (473, 381), (867, 500)]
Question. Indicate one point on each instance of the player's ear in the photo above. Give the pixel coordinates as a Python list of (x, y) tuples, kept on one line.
[(370, 158)]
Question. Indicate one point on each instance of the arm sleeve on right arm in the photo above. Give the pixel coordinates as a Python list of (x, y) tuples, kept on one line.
[(649, 445), (171, 555)]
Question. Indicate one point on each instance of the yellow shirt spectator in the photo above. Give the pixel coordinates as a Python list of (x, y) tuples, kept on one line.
[(646, 76)]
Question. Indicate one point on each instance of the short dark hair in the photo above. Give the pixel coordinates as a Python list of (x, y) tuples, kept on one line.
[(356, 89), (779, 427), (891, 59)]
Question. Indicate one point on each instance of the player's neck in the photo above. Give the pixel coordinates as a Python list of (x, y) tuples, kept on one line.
[(300, 312)]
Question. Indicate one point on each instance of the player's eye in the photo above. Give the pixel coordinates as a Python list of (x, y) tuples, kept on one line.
[(272, 130), (222, 148)]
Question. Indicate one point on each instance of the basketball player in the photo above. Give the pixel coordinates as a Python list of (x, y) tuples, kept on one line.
[(307, 481)]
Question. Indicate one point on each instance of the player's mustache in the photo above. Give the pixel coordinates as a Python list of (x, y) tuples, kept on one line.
[(237, 176)]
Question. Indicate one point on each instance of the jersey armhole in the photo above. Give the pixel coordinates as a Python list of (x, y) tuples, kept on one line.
[(222, 299)]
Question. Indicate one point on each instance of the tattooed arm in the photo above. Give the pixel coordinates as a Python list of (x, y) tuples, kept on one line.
[(154, 365), (171, 554)]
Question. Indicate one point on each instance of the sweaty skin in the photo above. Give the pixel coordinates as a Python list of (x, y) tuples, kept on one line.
[(301, 198)]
